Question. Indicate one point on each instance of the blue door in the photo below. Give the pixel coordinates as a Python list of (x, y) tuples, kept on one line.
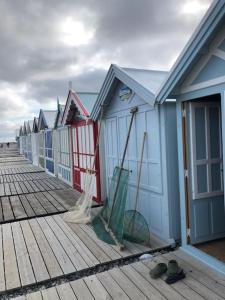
[(205, 174), (49, 162)]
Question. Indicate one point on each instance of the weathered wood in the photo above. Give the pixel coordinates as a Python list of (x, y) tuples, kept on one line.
[(2, 272), (62, 257), (11, 269), (68, 246), (65, 292), (17, 207), (81, 290), (23, 260), (6, 209), (52, 264), (37, 261)]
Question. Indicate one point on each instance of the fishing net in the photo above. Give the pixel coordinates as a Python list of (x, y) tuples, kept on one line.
[(117, 214), (136, 229), (81, 212)]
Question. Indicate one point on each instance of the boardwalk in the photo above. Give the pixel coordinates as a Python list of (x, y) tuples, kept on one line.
[(133, 282), (42, 257)]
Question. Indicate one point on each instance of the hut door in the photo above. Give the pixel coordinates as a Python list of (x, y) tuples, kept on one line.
[(206, 196), (84, 142)]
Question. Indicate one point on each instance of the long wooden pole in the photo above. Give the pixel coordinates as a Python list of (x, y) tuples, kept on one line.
[(133, 112)]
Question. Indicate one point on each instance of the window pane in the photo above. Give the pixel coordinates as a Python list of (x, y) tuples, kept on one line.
[(216, 179), (214, 132), (200, 133), (202, 178)]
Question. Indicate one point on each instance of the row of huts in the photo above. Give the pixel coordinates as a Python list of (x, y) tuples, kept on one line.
[(182, 184)]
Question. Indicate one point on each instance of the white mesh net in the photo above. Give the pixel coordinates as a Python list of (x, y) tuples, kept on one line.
[(81, 212)]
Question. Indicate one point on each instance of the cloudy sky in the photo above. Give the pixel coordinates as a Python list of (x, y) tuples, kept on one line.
[(44, 44)]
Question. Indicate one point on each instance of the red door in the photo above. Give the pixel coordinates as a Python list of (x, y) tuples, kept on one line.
[(84, 138)]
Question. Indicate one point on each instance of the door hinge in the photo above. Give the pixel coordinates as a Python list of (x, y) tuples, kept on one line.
[(188, 232), (186, 173), (184, 113)]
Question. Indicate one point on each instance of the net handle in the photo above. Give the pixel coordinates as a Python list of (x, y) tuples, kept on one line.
[(133, 112), (140, 168)]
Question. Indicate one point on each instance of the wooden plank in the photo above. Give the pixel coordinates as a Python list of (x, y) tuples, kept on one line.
[(45, 203), (129, 287), (2, 273), (68, 246), (35, 204), (7, 189), (2, 190), (62, 257), (1, 212), (37, 261), (17, 207), (65, 292), (12, 188), (147, 289), (60, 199), (52, 264), (94, 248), (23, 187), (203, 278), (28, 186), (81, 290), (11, 270), (23, 260), (27, 207), (97, 289), (166, 290), (50, 294), (112, 287), (18, 188), (34, 296), (34, 187), (113, 254), (87, 255), (7, 210), (54, 202)]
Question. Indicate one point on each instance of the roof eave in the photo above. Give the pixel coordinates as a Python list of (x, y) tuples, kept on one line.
[(115, 72), (198, 39)]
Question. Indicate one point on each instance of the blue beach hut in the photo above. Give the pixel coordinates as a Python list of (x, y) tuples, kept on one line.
[(45, 127), (197, 82), (123, 89)]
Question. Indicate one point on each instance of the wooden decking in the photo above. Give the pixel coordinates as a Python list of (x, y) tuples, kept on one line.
[(44, 258), (133, 282)]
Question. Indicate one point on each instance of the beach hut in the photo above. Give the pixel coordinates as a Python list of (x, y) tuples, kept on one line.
[(34, 141), (28, 153), (122, 90), (57, 124), (25, 139), (83, 132), (21, 142), (45, 127), (197, 82)]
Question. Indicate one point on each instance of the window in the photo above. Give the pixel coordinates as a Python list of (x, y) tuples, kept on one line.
[(206, 149)]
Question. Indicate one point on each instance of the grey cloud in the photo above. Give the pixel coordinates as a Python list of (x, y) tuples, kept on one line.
[(135, 33)]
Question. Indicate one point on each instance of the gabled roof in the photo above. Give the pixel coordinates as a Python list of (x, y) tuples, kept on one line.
[(59, 115), (29, 125), (144, 83), (78, 104), (46, 119), (25, 128), (21, 130), (35, 125), (201, 37)]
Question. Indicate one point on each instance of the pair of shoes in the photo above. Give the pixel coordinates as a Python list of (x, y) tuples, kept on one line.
[(173, 271)]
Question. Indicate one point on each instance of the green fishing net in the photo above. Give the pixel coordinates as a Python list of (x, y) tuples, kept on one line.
[(129, 225)]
